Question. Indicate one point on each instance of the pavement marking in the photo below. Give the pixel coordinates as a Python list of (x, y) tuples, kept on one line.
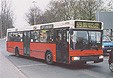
[(31, 65)]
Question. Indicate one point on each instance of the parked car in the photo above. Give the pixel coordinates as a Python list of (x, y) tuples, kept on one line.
[(111, 60), (107, 45)]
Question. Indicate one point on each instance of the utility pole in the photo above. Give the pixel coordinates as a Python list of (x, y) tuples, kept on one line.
[(1, 26), (98, 10), (34, 2)]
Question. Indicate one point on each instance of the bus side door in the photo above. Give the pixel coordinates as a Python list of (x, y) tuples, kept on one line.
[(26, 43), (61, 46)]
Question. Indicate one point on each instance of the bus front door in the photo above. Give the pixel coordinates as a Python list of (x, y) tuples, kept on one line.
[(61, 46), (26, 43)]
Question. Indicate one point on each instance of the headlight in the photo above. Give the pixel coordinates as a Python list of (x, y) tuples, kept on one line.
[(101, 57), (76, 58), (102, 46)]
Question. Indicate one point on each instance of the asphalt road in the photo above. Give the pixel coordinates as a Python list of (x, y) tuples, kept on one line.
[(35, 68)]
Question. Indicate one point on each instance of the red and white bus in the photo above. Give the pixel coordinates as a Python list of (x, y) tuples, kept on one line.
[(69, 42)]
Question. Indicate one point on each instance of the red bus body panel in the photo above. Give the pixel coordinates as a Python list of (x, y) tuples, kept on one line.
[(12, 45), (38, 50), (85, 52)]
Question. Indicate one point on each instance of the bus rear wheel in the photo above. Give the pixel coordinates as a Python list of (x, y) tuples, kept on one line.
[(49, 58), (17, 52), (111, 66)]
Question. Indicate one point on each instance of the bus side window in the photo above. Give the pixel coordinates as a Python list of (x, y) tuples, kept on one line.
[(34, 36), (10, 36), (50, 35), (19, 36), (13, 37), (59, 36), (43, 36)]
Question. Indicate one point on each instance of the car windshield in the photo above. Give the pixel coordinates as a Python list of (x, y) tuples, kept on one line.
[(106, 39), (85, 40)]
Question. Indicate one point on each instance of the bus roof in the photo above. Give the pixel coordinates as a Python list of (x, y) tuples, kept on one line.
[(69, 24)]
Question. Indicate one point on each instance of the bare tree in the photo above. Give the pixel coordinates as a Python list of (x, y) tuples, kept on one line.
[(61, 10), (109, 5), (33, 16), (88, 8), (7, 18)]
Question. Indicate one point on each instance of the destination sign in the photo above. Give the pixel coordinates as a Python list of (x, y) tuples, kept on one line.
[(46, 26), (89, 25)]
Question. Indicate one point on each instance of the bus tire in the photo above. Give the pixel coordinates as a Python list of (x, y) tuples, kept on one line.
[(49, 58), (111, 66), (17, 52)]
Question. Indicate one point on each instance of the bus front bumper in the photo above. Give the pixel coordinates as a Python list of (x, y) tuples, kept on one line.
[(86, 59)]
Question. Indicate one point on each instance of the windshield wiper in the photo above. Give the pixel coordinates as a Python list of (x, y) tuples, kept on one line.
[(89, 46)]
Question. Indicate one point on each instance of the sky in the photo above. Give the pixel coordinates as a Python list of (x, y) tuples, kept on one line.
[(20, 7)]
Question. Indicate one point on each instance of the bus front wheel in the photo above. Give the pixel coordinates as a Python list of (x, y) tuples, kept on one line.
[(49, 58), (17, 52)]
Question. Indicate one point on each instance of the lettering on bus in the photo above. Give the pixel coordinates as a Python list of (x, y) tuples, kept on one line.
[(46, 26), (91, 25)]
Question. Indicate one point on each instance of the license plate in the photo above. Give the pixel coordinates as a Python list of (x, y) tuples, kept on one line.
[(89, 62), (108, 50)]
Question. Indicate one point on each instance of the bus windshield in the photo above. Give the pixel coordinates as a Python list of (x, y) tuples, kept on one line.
[(85, 40)]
